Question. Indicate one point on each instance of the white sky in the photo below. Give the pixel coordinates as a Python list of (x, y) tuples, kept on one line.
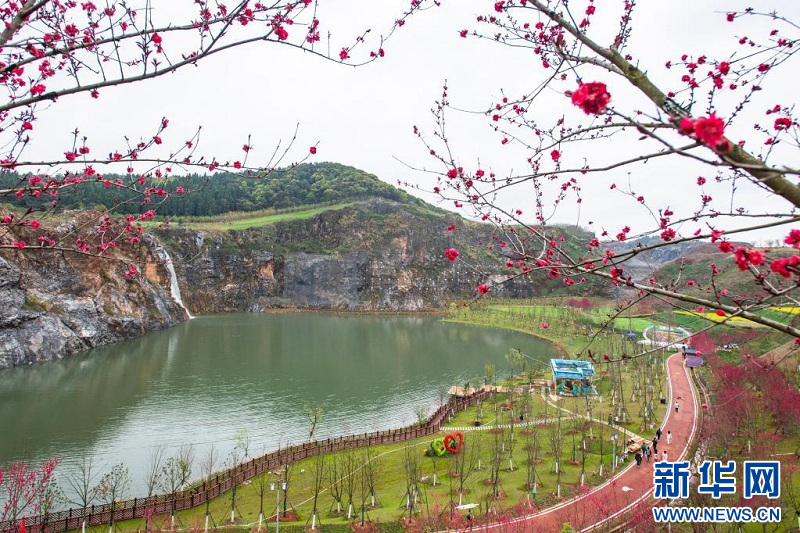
[(363, 117)]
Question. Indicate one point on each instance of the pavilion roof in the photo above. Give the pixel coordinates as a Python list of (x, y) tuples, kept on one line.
[(569, 369)]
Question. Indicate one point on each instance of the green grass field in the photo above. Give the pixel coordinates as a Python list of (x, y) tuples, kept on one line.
[(597, 316), (243, 221)]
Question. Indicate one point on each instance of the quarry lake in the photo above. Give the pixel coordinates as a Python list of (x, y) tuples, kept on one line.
[(203, 381)]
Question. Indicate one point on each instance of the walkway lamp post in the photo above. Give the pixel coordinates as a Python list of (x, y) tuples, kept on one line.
[(614, 438), (277, 503)]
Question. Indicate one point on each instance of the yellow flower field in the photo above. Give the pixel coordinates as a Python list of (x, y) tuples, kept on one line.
[(714, 317), (787, 309)]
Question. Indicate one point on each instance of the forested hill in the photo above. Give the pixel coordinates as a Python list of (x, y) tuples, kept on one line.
[(306, 184)]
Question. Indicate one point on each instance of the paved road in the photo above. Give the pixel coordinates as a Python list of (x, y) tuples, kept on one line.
[(602, 505)]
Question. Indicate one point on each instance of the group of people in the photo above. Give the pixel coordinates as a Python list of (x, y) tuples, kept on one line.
[(646, 452)]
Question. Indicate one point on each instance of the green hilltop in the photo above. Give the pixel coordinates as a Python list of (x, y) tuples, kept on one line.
[(308, 184)]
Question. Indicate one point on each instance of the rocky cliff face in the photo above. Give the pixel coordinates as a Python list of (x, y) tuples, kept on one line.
[(54, 305), (378, 255), (642, 266)]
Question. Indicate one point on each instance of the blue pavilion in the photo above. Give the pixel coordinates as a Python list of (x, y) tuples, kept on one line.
[(573, 378)]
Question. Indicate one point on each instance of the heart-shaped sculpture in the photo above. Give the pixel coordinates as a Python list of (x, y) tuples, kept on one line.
[(438, 447), (454, 441)]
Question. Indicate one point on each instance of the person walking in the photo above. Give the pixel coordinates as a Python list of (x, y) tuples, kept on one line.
[(669, 437), (677, 405), (658, 433), (655, 446), (664, 455), (638, 458), (646, 451)]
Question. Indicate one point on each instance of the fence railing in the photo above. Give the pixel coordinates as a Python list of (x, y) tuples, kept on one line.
[(69, 519)]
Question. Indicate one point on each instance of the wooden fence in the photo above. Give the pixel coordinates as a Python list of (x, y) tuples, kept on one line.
[(70, 519)]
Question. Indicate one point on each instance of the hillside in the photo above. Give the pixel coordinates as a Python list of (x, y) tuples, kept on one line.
[(691, 273), (200, 195)]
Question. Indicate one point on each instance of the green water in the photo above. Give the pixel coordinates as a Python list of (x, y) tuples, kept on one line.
[(204, 380)]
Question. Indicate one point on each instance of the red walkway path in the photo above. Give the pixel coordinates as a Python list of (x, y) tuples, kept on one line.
[(603, 504)]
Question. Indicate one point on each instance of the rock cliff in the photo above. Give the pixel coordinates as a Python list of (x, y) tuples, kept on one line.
[(377, 255), (643, 265), (53, 305)]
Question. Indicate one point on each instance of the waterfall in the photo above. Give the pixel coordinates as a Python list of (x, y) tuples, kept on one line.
[(174, 288)]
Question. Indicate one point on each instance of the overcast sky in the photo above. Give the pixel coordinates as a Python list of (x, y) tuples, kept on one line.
[(364, 116)]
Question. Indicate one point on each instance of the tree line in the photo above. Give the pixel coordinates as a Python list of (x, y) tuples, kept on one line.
[(205, 195)]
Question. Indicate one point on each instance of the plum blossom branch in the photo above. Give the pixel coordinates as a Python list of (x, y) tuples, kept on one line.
[(563, 44)]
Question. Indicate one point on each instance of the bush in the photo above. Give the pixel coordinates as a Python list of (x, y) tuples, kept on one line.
[(390, 527), (335, 528)]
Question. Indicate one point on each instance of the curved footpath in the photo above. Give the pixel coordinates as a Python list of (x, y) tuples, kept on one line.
[(603, 505)]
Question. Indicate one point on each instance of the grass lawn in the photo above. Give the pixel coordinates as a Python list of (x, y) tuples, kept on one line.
[(572, 330), (243, 221), (596, 316)]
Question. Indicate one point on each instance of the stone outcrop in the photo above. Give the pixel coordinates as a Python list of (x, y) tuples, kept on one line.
[(53, 305), (642, 265)]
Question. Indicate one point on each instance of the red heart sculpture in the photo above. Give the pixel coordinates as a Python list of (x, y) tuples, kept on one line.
[(453, 442)]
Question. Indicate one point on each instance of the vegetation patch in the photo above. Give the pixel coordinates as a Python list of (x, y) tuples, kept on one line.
[(238, 222)]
